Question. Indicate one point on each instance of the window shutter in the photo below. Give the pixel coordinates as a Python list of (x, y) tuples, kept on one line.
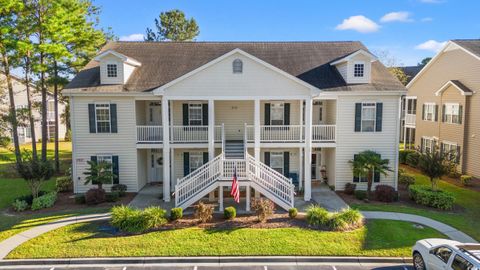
[(94, 159), (286, 164), (267, 114), (444, 116), (205, 114), (185, 114), (457, 157), (379, 116), (436, 113), (356, 179), (421, 145), (115, 169), (113, 118), (267, 159), (358, 117), (205, 157), (91, 118), (186, 163), (286, 114), (423, 112), (460, 114)]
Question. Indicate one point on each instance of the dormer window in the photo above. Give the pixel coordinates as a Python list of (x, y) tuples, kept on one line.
[(237, 66), (112, 70), (358, 70)]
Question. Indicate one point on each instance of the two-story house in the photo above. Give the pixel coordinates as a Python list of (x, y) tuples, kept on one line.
[(189, 114), (442, 106)]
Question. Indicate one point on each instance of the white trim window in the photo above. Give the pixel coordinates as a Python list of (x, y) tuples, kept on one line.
[(195, 160), (369, 113), (359, 70), (428, 144), (450, 149), (451, 114), (277, 114), (195, 114), (112, 70), (108, 159), (429, 112), (276, 161), (102, 117)]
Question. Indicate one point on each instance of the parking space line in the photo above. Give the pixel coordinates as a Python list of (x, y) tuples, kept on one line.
[(333, 267), (265, 268)]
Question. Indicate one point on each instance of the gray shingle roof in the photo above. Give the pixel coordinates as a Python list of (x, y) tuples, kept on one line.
[(163, 62), (472, 45), (461, 86)]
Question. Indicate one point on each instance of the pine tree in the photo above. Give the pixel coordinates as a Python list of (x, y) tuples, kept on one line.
[(173, 26)]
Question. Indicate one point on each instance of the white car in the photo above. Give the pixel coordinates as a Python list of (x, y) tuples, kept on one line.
[(443, 254)]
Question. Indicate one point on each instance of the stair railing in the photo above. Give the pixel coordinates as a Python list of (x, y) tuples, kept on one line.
[(223, 138), (245, 138)]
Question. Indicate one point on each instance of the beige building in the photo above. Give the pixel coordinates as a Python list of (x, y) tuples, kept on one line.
[(443, 106)]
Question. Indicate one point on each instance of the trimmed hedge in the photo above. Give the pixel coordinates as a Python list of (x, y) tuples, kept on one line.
[(112, 196), (229, 212), (64, 184), (317, 216), (360, 194), (424, 195), (133, 220), (347, 219), (292, 212), (350, 188), (385, 193), (406, 179), (19, 205), (45, 201), (120, 189)]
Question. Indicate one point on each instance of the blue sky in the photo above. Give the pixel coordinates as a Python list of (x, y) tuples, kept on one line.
[(408, 29)]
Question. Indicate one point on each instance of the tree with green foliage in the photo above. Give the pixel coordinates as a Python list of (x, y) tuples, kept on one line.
[(399, 74), (35, 172), (99, 173), (424, 61), (173, 26), (368, 162), (435, 164)]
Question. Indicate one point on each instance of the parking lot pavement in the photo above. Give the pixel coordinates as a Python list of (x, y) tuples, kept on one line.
[(216, 267)]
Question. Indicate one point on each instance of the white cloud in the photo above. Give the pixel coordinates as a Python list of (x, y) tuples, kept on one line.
[(399, 16), (358, 23), (427, 19), (431, 45), (132, 37)]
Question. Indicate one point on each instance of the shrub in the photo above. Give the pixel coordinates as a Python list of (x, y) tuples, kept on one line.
[(292, 212), (120, 188), (317, 216), (412, 159), (424, 195), (263, 208), (406, 180), (19, 205), (64, 184), (229, 212), (403, 156), (336, 223), (80, 198), (360, 194), (176, 213), (44, 201), (466, 180), (204, 212), (155, 216), (348, 219), (132, 220), (112, 197), (95, 196), (385, 193), (350, 188), (29, 198)]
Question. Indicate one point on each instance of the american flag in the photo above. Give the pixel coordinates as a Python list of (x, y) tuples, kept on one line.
[(235, 188)]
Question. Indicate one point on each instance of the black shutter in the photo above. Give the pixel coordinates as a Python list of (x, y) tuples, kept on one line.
[(115, 170), (457, 157), (205, 157), (358, 117), (460, 114), (444, 116), (436, 113), (378, 118), (423, 112), (376, 175), (267, 159), (205, 114), (286, 164), (94, 159), (356, 179), (185, 114), (91, 118), (113, 118), (186, 163), (421, 145), (286, 114), (267, 114)]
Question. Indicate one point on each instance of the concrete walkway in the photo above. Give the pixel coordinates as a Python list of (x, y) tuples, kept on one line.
[(327, 198)]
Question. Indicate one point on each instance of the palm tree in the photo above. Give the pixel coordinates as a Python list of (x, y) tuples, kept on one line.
[(435, 164), (99, 173), (368, 162)]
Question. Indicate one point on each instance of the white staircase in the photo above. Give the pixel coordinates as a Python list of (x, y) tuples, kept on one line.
[(234, 150)]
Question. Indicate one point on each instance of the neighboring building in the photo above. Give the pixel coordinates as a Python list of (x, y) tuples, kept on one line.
[(183, 114), (443, 106), (410, 72), (20, 96)]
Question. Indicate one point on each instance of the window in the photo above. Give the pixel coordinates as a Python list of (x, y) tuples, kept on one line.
[(108, 159), (277, 114), (443, 253), (112, 70), (276, 161), (459, 263), (450, 149), (358, 70), (102, 117), (412, 106), (428, 144), (51, 129), (196, 160), (451, 113), (237, 66), (195, 114), (51, 109), (429, 112), (28, 132), (368, 117)]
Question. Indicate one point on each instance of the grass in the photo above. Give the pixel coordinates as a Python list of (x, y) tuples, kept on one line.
[(11, 188), (378, 238), (466, 221)]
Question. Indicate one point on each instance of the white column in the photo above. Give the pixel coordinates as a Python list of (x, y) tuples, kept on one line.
[(257, 135), (300, 168), (211, 129), (220, 198), (404, 122), (166, 150), (247, 206), (308, 150)]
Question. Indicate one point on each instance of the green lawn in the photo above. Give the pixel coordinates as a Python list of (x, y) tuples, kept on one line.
[(11, 188), (378, 238), (466, 221)]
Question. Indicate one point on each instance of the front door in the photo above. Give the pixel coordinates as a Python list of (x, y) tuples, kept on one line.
[(154, 113), (156, 166), (316, 157)]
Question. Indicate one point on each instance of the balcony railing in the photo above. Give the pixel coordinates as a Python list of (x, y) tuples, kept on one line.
[(292, 133), (149, 134), (178, 134), (324, 133), (410, 119)]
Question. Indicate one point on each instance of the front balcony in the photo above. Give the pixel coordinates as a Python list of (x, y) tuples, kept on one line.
[(292, 133), (178, 134), (410, 119)]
